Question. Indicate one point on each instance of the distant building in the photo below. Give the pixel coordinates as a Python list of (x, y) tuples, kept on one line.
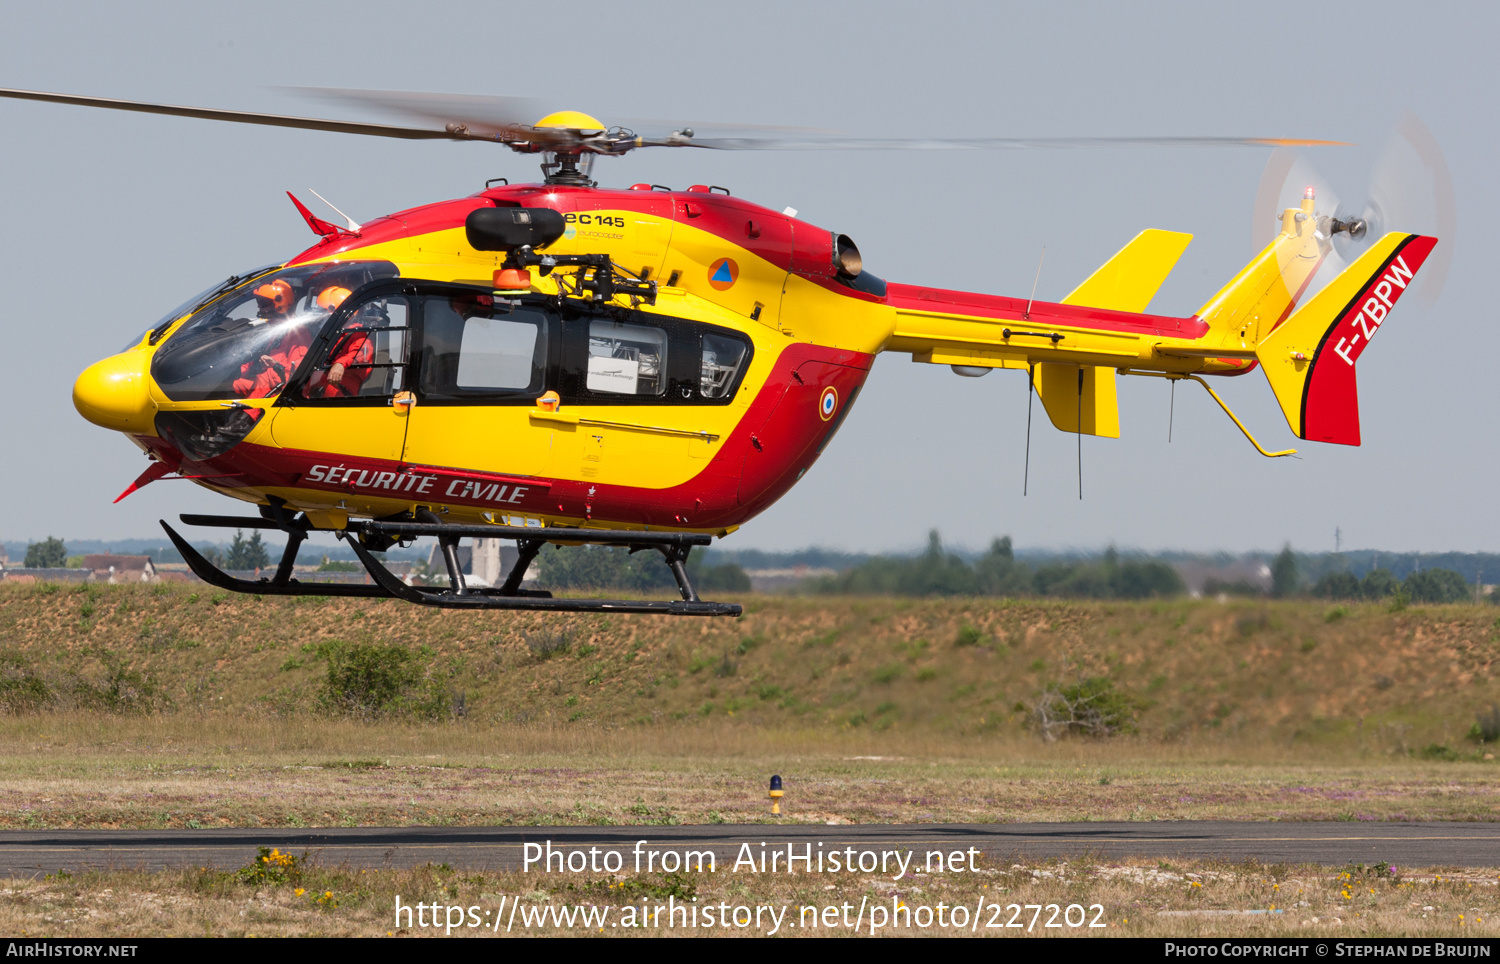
[(486, 563), (23, 575), (781, 580), (120, 570), (1242, 577)]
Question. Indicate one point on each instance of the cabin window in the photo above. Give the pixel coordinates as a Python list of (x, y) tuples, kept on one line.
[(626, 359), (499, 354), (723, 359), (472, 347)]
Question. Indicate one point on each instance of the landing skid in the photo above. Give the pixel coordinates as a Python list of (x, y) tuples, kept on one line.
[(280, 585), (674, 547)]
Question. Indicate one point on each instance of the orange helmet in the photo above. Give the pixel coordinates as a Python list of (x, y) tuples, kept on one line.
[(331, 297), (278, 295)]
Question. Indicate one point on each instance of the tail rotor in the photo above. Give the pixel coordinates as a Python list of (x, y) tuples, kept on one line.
[(1410, 189)]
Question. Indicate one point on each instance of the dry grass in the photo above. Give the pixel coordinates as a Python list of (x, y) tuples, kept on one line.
[(873, 709), (1249, 673), (81, 770), (1182, 899)]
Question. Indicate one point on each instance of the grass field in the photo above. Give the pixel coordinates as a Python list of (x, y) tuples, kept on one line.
[(1081, 898), (171, 708), (102, 771), (1251, 673)]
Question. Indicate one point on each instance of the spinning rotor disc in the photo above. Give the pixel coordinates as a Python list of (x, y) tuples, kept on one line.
[(1409, 189)]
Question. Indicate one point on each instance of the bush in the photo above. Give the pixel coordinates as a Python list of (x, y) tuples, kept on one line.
[(1437, 586), (271, 866), (1486, 728), (1090, 707), (547, 645), (374, 680), (121, 689), (21, 689)]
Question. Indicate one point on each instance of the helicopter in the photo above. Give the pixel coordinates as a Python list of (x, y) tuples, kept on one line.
[(649, 368)]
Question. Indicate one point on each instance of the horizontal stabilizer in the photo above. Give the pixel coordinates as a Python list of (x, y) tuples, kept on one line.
[(1079, 399), (1309, 359), (1129, 280)]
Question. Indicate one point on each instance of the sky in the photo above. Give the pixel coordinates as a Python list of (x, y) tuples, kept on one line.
[(110, 219)]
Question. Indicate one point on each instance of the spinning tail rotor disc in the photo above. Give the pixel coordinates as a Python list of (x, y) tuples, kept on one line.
[(1409, 189)]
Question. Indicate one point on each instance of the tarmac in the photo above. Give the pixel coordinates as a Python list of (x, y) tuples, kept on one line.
[(27, 853)]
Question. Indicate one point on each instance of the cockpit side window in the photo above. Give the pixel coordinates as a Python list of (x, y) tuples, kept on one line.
[(249, 342), (365, 356)]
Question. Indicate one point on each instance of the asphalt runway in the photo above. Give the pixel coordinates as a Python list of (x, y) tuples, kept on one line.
[(27, 853)]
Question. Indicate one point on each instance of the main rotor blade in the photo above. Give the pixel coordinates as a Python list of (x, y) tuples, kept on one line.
[(241, 117), (474, 111), (477, 111), (987, 143), (503, 124)]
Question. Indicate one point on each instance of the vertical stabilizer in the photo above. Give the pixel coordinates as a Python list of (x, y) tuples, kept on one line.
[(1309, 361)]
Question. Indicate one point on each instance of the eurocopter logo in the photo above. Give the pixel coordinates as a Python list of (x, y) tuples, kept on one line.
[(1362, 324), (723, 273)]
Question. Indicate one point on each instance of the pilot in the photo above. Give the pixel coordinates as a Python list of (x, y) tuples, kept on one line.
[(264, 376)]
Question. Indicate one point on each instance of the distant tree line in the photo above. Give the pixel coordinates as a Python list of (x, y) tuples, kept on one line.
[(937, 572), (612, 567), (1427, 585)]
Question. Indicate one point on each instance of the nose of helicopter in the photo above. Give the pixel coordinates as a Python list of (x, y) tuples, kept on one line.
[(114, 393)]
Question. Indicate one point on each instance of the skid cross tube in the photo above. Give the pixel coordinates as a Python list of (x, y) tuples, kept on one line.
[(601, 537), (482, 599), (674, 547)]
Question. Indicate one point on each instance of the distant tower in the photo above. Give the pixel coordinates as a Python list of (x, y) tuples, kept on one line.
[(1338, 539), (486, 565)]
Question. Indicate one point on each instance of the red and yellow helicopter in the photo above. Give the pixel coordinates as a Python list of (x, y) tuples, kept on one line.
[(557, 363)]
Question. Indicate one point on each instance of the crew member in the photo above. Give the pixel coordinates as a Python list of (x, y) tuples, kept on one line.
[(265, 376), (349, 364)]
